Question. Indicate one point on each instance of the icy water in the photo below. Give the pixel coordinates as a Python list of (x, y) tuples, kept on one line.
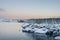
[(10, 31)]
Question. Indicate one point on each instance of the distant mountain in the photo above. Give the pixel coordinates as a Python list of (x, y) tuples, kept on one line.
[(7, 20)]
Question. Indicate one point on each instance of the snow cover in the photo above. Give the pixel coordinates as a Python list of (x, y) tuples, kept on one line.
[(25, 24), (42, 30), (44, 27), (58, 37), (29, 28)]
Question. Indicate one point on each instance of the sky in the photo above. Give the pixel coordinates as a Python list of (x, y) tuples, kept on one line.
[(26, 9)]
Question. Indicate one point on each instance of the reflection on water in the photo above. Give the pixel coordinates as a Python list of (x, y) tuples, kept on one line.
[(42, 37), (10, 31)]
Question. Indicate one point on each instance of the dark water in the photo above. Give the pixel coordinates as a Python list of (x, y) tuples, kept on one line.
[(10, 31)]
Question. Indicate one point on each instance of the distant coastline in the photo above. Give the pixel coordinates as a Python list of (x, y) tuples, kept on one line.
[(41, 20)]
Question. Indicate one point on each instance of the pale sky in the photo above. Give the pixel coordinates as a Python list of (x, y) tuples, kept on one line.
[(23, 9)]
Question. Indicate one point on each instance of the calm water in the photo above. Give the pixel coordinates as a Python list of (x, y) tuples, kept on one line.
[(10, 31)]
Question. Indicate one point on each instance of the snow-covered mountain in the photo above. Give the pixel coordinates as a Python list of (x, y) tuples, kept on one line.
[(7, 20)]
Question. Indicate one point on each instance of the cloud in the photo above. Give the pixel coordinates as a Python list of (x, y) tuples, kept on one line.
[(1, 9)]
